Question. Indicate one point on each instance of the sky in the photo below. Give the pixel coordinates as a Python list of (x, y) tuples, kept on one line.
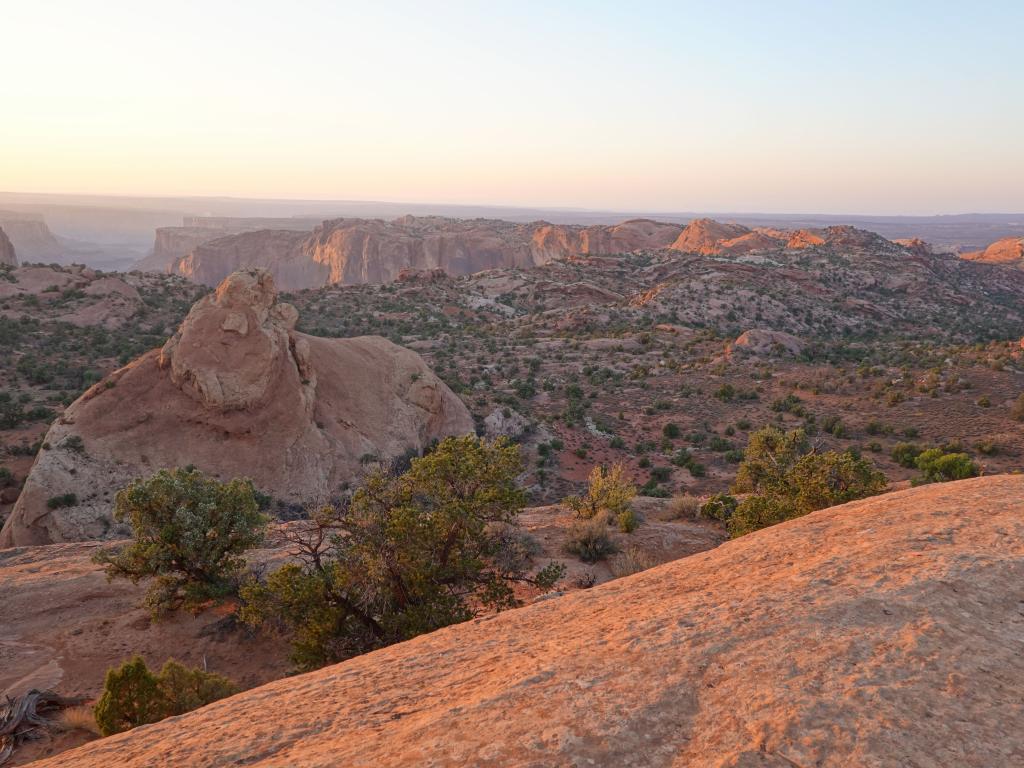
[(827, 107)]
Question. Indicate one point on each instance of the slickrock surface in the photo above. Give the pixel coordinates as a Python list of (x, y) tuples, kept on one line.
[(886, 632), (236, 392)]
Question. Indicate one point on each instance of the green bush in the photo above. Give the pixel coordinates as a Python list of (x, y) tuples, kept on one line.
[(786, 479), (719, 507), (134, 696), (670, 430), (905, 454), (406, 555), (64, 500), (937, 466), (189, 533)]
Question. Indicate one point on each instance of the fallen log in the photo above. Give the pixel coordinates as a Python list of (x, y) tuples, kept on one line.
[(22, 716)]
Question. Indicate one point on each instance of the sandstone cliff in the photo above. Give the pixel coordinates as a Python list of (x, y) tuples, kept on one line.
[(357, 251), (884, 632), (236, 392), (7, 255)]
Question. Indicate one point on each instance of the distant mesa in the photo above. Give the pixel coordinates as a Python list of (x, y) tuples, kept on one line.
[(32, 239), (358, 251), (237, 391), (8, 258), (172, 243)]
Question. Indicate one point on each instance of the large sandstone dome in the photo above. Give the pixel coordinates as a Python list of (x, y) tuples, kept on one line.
[(886, 632), (237, 392)]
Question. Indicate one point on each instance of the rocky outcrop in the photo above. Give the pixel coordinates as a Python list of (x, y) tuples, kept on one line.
[(706, 236), (761, 342), (1008, 252), (885, 632), (7, 256), (236, 392), (32, 239)]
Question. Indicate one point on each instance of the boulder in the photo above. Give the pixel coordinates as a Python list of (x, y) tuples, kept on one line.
[(764, 342), (237, 392)]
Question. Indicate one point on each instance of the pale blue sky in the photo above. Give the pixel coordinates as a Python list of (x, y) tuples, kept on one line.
[(845, 107)]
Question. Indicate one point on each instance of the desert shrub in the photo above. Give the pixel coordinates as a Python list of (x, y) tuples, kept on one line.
[(134, 696), (189, 533), (590, 540), (786, 479), (627, 520), (719, 507), (1017, 410), (670, 430), (685, 506), (726, 393), (661, 474), (406, 555), (633, 560), (905, 454), (61, 501), (6, 477), (607, 491), (938, 466)]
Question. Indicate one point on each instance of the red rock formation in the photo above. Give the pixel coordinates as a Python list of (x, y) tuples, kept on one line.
[(706, 236), (236, 392), (1009, 252), (885, 632)]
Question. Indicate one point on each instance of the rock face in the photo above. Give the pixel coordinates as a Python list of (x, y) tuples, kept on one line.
[(7, 255), (236, 392), (884, 632), (1009, 252)]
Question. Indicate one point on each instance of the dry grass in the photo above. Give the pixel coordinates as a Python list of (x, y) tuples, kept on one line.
[(80, 719), (685, 506), (631, 561)]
